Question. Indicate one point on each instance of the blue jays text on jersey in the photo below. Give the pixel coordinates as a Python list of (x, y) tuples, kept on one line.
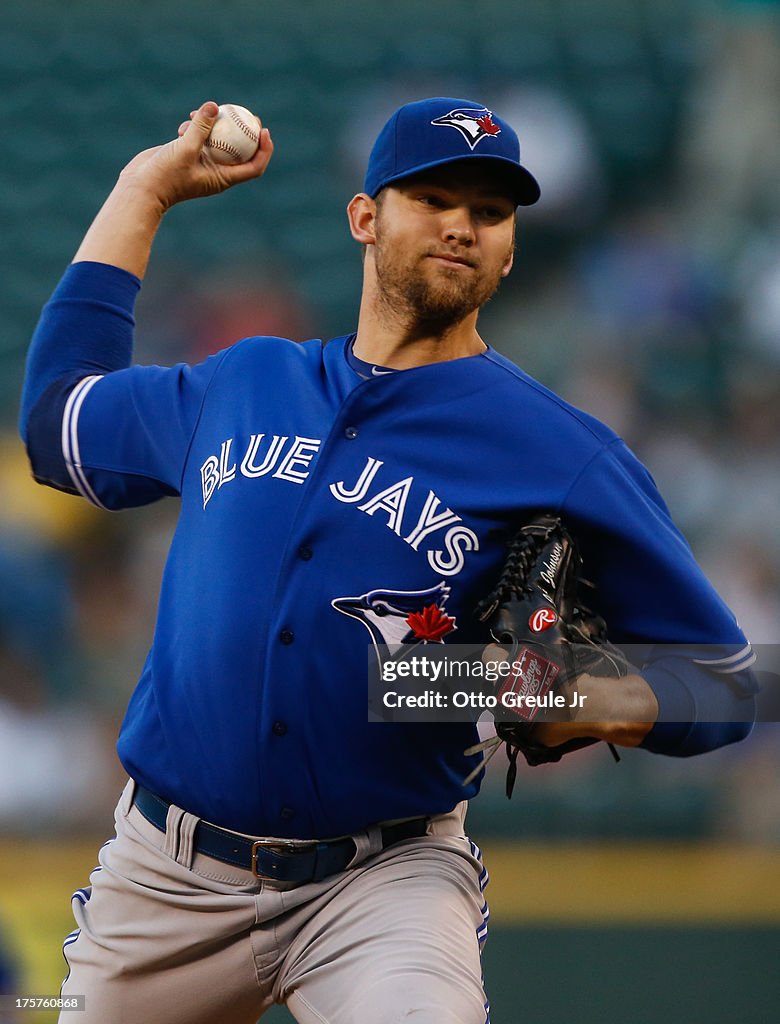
[(290, 460), (323, 510)]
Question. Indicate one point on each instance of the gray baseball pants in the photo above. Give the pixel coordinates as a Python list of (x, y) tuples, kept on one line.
[(166, 935)]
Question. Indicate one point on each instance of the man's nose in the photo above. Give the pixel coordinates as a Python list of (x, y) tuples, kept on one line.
[(458, 226)]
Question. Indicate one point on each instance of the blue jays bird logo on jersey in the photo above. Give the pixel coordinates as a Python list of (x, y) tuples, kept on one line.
[(473, 125), (395, 617)]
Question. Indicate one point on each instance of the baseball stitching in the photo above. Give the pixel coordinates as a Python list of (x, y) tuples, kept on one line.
[(225, 147), (250, 132)]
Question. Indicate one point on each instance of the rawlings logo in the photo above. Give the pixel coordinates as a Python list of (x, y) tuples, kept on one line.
[(473, 125), (542, 619), (531, 681)]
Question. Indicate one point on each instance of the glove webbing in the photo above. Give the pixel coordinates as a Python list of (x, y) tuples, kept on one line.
[(517, 568)]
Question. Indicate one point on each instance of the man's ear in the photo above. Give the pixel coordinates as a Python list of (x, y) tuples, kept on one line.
[(361, 213)]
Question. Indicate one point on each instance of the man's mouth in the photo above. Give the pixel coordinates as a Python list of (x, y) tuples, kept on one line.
[(457, 261)]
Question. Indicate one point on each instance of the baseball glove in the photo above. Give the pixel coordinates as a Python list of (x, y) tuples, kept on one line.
[(536, 613)]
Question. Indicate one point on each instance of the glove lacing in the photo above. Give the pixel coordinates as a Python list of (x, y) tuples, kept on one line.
[(515, 574)]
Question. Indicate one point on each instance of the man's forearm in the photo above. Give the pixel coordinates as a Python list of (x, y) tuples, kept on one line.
[(123, 231)]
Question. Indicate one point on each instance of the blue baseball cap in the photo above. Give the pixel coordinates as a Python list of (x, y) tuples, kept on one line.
[(430, 133)]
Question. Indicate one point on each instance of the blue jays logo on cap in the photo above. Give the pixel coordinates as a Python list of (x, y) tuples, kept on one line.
[(473, 125)]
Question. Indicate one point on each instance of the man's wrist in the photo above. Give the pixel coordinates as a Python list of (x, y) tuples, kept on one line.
[(123, 231), (620, 711), (143, 199)]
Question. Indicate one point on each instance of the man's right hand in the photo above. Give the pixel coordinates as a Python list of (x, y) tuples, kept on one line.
[(183, 169), (124, 229)]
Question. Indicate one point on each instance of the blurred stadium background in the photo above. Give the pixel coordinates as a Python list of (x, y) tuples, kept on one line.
[(647, 291)]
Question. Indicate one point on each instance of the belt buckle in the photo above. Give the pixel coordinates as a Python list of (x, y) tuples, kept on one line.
[(275, 844)]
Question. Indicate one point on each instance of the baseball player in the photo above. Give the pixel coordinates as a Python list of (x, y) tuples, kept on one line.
[(272, 845)]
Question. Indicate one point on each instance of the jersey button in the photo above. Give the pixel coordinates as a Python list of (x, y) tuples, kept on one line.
[(279, 728), (286, 813), (305, 552), (287, 636), (351, 433)]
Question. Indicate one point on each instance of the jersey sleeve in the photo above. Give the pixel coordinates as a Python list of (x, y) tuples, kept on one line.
[(85, 328), (653, 593), (114, 433)]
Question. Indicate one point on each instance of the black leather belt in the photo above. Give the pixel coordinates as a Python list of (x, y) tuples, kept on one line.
[(274, 858)]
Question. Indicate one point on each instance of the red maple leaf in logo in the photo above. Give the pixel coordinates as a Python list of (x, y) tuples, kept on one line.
[(488, 125), (431, 624)]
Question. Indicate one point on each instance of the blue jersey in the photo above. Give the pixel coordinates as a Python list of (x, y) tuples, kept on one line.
[(319, 509)]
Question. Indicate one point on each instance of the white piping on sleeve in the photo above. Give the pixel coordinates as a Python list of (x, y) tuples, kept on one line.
[(733, 663), (70, 438)]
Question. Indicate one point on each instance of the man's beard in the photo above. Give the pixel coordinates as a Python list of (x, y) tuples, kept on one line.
[(436, 302)]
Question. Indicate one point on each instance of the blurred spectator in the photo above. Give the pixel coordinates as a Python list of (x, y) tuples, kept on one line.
[(56, 768), (36, 622), (651, 294), (757, 290), (746, 574), (730, 153)]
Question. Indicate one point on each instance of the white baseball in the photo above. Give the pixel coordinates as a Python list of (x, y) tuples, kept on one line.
[(235, 136)]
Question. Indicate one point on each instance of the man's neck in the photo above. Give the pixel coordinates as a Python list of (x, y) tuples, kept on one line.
[(386, 341)]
